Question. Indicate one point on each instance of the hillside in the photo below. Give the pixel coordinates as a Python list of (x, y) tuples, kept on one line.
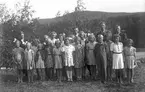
[(87, 14)]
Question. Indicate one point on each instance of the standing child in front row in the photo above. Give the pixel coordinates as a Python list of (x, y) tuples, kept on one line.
[(116, 49), (90, 56), (68, 51), (58, 60), (29, 57), (130, 55), (39, 59), (78, 58), (18, 55)]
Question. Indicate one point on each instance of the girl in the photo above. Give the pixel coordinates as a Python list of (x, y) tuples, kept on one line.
[(58, 60), (78, 58), (49, 63), (61, 38), (130, 54), (18, 55), (68, 51), (90, 56), (116, 49), (29, 57), (39, 59)]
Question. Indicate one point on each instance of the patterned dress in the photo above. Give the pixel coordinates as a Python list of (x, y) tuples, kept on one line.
[(90, 53), (18, 57), (57, 58), (68, 55), (129, 53), (117, 50), (49, 58), (29, 57), (79, 56), (40, 59)]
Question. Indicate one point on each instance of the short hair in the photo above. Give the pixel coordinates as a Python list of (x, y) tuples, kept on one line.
[(115, 36), (130, 41)]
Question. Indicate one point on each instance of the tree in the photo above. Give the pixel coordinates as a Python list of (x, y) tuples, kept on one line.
[(80, 6), (13, 23), (58, 14)]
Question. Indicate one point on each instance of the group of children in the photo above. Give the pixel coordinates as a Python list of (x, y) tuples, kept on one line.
[(68, 56)]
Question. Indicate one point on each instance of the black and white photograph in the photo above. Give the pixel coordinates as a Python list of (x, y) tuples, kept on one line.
[(72, 45)]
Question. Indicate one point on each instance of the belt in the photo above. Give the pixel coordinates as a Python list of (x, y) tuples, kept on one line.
[(56, 54), (91, 49), (129, 55), (117, 52)]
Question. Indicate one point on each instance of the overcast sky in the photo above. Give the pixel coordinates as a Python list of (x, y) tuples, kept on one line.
[(49, 8)]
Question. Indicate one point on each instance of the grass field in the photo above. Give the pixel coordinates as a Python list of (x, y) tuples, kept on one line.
[(8, 83)]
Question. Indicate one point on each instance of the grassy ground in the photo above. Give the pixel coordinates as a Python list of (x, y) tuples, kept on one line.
[(8, 83)]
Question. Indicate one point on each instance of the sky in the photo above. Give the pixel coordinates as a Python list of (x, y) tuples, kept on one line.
[(49, 8)]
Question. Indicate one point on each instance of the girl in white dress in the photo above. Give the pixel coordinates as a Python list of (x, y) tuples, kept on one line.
[(117, 51), (68, 51)]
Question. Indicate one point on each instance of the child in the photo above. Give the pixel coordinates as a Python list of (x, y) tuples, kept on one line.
[(29, 57), (68, 51), (49, 63), (101, 57), (91, 62), (39, 59), (130, 54), (18, 55), (78, 58), (116, 49), (109, 56), (58, 60)]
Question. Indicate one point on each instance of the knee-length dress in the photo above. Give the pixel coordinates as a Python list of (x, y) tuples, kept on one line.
[(117, 50), (90, 53), (29, 57), (18, 54), (129, 54), (79, 56), (68, 55), (40, 59), (49, 58), (57, 58)]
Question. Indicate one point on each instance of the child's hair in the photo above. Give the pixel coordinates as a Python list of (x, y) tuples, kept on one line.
[(77, 39), (57, 42), (115, 36), (29, 44), (67, 38), (129, 41), (91, 36)]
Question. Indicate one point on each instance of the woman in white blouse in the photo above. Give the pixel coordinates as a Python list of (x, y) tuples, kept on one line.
[(117, 52)]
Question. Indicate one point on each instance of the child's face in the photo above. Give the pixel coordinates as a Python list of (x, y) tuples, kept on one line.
[(18, 44), (67, 42), (100, 39), (28, 45), (39, 46), (117, 39), (61, 38), (91, 39), (57, 45), (129, 44)]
